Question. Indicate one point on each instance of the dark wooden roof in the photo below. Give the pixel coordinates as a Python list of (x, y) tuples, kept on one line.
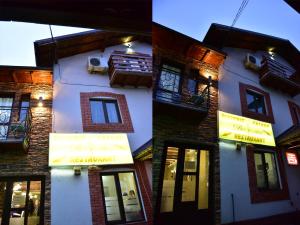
[(47, 51), (220, 35), (171, 40), (114, 15), (290, 137), (25, 74), (294, 4)]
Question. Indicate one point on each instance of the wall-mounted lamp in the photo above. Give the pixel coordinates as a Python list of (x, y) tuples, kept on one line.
[(209, 80), (40, 103), (129, 49), (238, 146), (77, 170)]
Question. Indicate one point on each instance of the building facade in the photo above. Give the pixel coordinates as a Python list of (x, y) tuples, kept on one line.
[(259, 80), (25, 123), (102, 118), (186, 185)]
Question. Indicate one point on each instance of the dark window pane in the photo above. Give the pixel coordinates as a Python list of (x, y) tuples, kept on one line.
[(2, 198), (112, 112), (255, 102), (25, 103), (192, 86), (97, 111), (260, 171)]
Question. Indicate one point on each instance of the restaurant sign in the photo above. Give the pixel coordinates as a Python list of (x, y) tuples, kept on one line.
[(89, 149), (242, 129), (292, 158)]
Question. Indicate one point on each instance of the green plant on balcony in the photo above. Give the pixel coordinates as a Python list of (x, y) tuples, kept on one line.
[(17, 130)]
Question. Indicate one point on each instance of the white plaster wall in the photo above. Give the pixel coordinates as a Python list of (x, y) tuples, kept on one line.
[(71, 78), (70, 198), (70, 194), (233, 164)]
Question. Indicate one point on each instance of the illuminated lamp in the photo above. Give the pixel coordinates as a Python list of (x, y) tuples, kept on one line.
[(40, 103)]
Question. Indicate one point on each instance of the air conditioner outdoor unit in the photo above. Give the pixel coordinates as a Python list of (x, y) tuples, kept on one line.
[(94, 65), (252, 62)]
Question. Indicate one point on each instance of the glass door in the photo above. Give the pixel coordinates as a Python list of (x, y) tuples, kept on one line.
[(185, 186), (20, 202)]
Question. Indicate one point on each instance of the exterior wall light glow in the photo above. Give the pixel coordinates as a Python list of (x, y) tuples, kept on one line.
[(129, 48), (40, 103)]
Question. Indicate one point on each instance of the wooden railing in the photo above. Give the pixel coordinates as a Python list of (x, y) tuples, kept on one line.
[(135, 63), (276, 68)]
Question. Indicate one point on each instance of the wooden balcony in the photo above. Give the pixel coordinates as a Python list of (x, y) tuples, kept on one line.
[(130, 69), (278, 76), (15, 127)]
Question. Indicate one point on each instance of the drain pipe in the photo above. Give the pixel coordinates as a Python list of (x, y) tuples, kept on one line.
[(233, 208)]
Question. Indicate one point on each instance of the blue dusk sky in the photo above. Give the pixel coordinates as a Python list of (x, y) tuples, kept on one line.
[(194, 17), (16, 41)]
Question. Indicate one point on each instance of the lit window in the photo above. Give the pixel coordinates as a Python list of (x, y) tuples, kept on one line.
[(122, 200), (105, 111), (266, 170), (256, 102)]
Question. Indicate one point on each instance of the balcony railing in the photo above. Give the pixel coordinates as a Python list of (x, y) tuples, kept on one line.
[(195, 102), (130, 69), (15, 127), (275, 74)]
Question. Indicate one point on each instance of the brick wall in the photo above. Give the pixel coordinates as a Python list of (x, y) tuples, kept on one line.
[(182, 130), (35, 162), (97, 199)]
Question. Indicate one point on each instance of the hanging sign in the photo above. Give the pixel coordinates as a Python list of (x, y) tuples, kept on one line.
[(292, 158), (243, 129)]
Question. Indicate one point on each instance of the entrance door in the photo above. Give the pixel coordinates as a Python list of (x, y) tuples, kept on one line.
[(21, 201), (185, 190)]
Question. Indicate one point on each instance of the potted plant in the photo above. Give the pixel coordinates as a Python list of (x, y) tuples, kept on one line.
[(17, 130)]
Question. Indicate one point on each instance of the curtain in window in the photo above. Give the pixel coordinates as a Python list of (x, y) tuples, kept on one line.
[(5, 112), (97, 111)]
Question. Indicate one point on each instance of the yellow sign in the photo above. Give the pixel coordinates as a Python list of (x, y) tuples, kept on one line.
[(89, 149), (238, 128)]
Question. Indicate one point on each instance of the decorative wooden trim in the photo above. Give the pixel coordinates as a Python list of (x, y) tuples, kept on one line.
[(126, 124), (258, 195), (244, 107)]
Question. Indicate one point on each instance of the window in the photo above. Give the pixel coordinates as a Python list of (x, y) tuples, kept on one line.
[(295, 112), (6, 103), (121, 198), (266, 170), (169, 78), (267, 179), (256, 102), (105, 111), (24, 106)]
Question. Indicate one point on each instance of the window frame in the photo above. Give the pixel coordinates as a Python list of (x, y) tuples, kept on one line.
[(295, 112), (106, 117), (268, 117), (119, 195), (262, 153), (256, 96), (259, 195)]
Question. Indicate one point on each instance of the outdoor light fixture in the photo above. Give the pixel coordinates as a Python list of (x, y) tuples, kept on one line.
[(129, 49), (40, 103), (77, 170), (238, 146)]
